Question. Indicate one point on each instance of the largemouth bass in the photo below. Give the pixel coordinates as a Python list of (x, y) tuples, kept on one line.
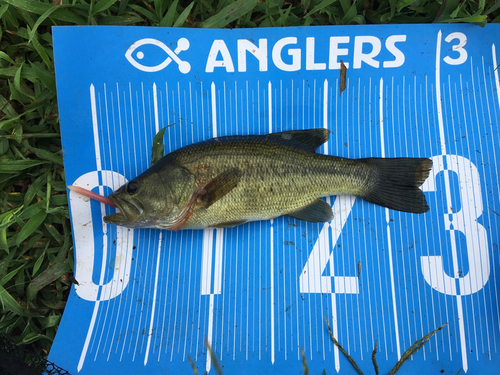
[(227, 181)]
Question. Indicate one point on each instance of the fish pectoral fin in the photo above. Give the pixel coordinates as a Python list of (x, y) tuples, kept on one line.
[(230, 224), (308, 140), (317, 212), (219, 186)]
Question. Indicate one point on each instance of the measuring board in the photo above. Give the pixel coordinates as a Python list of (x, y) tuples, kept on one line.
[(148, 300)]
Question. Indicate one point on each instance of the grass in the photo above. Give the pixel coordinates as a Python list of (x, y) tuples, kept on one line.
[(36, 253), (406, 355)]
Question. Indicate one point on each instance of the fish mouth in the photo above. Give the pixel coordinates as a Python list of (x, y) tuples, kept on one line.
[(130, 211)]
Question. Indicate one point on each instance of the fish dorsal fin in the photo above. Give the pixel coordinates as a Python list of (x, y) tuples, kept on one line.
[(308, 140), (219, 186), (317, 212)]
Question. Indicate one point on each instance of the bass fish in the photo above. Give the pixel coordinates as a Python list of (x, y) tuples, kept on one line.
[(227, 181)]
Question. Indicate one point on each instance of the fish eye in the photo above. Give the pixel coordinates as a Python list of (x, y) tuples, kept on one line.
[(132, 187)]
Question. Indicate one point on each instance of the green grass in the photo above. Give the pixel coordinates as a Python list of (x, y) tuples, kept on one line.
[(36, 253)]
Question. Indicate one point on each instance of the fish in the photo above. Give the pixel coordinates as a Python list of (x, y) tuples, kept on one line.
[(227, 181)]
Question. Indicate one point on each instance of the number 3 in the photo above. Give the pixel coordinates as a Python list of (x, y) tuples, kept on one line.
[(462, 41)]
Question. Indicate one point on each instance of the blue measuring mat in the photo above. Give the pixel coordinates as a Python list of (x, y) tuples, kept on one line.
[(149, 300)]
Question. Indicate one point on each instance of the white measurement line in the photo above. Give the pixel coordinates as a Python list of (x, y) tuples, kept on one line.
[(333, 295), (442, 137), (98, 165), (260, 295), (370, 111), (125, 173), (236, 125), (158, 253), (459, 297), (167, 277), (484, 173), (388, 220), (438, 228), (101, 145), (223, 277), (179, 116), (139, 325), (105, 290), (497, 181), (412, 294), (230, 246), (452, 117), (469, 200), (355, 236), (242, 274), (417, 271), (448, 200), (299, 302), (171, 132), (126, 242), (283, 247), (248, 291), (208, 249), (95, 128), (270, 120), (433, 232), (358, 253), (235, 326), (413, 142), (191, 241), (481, 261), (471, 209), (415, 97), (295, 253), (456, 90), (379, 267), (147, 276), (225, 106), (191, 95), (201, 284), (393, 122), (176, 308), (142, 253), (135, 268), (341, 213), (164, 287), (426, 236), (113, 291), (220, 244), (319, 265)]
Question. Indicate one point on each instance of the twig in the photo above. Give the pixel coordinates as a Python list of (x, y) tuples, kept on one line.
[(213, 358), (193, 366), (374, 360), (414, 348), (342, 349), (304, 362)]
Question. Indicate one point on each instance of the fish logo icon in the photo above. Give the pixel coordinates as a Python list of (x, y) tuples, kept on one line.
[(182, 45)]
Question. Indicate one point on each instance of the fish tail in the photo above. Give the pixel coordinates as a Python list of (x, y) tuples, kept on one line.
[(397, 183)]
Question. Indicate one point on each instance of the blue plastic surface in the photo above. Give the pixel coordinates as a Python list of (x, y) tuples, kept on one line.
[(259, 293)]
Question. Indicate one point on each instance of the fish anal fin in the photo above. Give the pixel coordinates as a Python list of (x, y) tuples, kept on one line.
[(308, 140), (317, 212), (219, 186), (230, 224)]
